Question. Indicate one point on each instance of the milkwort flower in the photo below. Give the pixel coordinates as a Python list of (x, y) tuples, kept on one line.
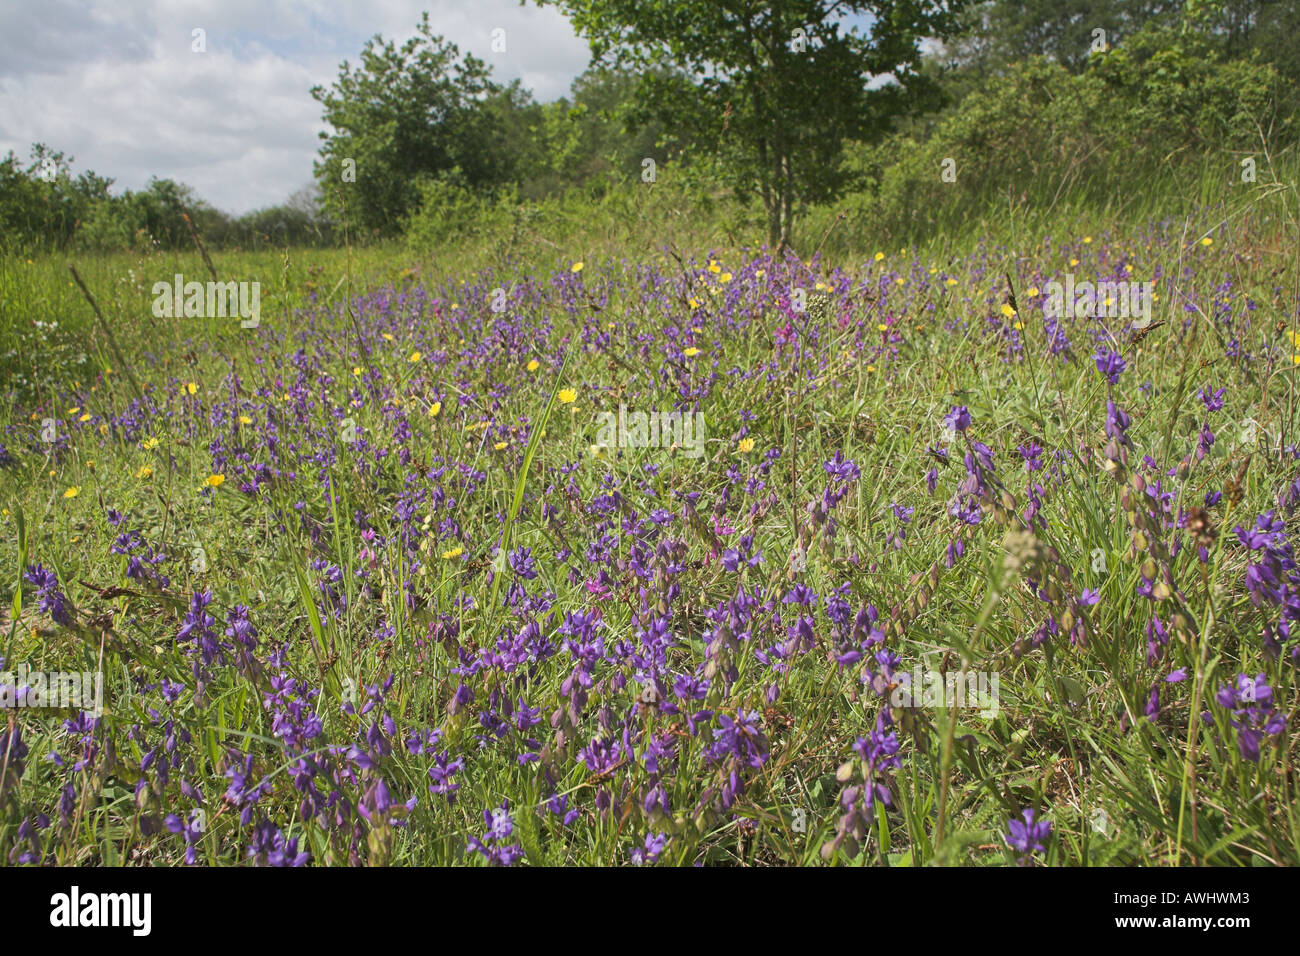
[(192, 830), (957, 420), (522, 563), (650, 850), (732, 558), (240, 792), (198, 628), (895, 539), (1028, 837), (270, 848), (1117, 426), (51, 599), (492, 846), (239, 627), (1272, 578), (737, 742), (1110, 364), (867, 780), (1249, 702)]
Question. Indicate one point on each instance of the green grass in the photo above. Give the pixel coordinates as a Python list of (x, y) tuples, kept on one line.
[(1070, 738)]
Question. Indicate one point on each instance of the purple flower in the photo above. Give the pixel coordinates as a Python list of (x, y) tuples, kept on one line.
[(1110, 364), (1029, 837), (958, 419), (1250, 703), (649, 853), (492, 846), (51, 599)]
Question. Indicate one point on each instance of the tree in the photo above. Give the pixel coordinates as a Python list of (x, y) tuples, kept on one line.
[(403, 114), (1062, 30), (43, 205), (779, 85)]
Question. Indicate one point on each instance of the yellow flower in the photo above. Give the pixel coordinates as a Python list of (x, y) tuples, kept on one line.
[(725, 277), (714, 267), (1295, 338), (533, 365), (1074, 262), (415, 357), (568, 396), (1087, 240), (879, 256), (245, 420), (191, 388), (146, 471), (1007, 310), (499, 445), (691, 352), (746, 445), (695, 303), (1033, 290), (1018, 325), (149, 443), (72, 492), (576, 267), (455, 552), (214, 481), (882, 327), (871, 368), (900, 280), (74, 410), (951, 282), (84, 418), (387, 337), (1207, 241), (760, 273), (356, 370), (434, 409)]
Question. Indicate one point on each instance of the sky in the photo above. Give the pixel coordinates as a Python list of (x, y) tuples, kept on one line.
[(116, 84)]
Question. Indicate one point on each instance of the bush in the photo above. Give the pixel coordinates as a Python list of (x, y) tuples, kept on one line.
[(449, 211), (1038, 135)]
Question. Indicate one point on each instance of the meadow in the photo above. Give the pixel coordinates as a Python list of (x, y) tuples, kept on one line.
[(365, 587)]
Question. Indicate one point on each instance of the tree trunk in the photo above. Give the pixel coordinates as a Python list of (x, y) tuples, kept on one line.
[(787, 205)]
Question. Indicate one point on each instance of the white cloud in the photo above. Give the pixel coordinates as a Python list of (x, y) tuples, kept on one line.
[(117, 86)]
